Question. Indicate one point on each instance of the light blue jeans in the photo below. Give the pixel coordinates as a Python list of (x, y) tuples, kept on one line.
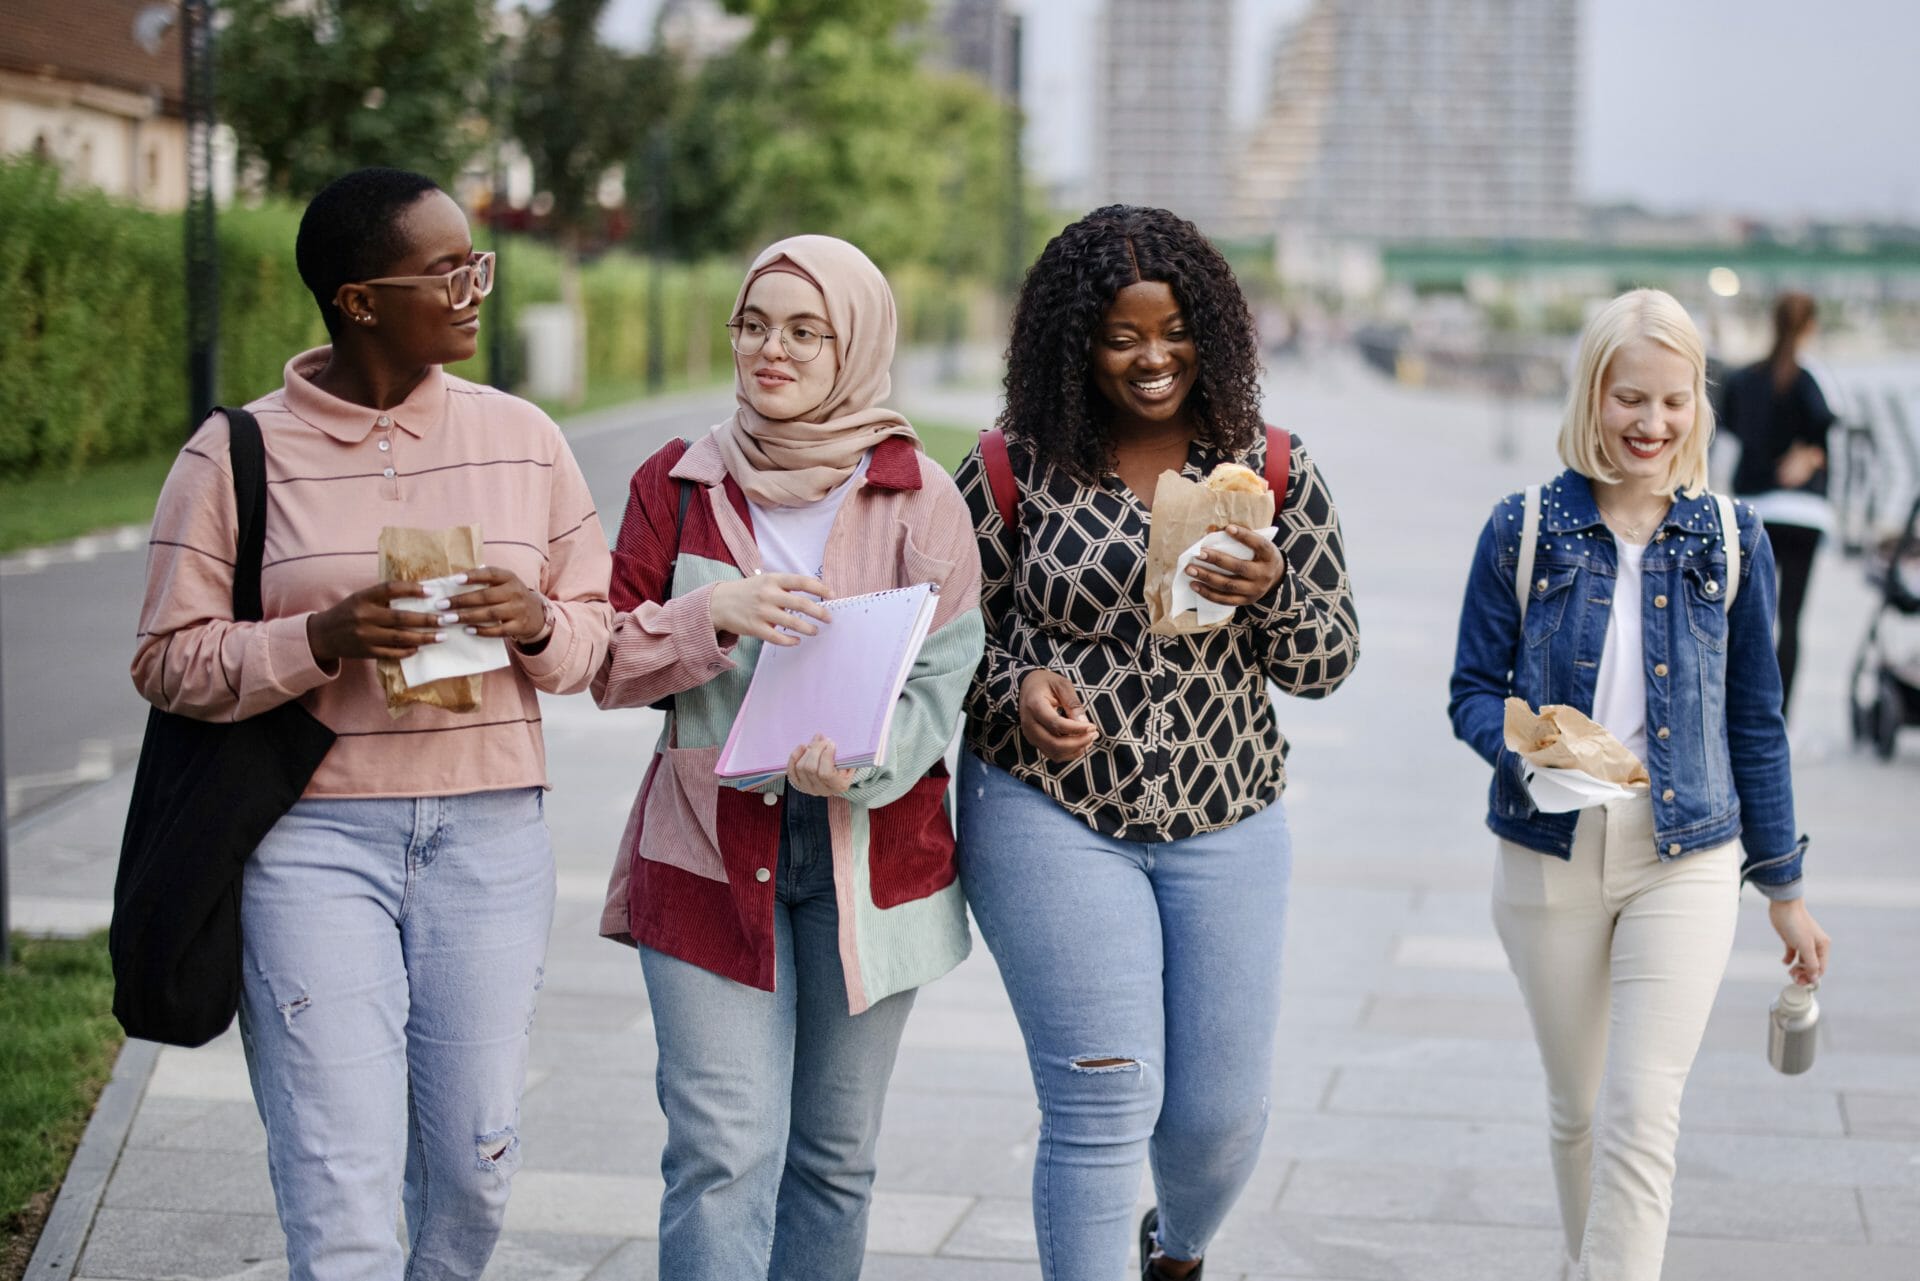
[(1160, 959), (392, 953), (772, 1099)]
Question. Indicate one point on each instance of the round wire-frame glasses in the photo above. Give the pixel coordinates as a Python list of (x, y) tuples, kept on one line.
[(800, 340), (463, 284)]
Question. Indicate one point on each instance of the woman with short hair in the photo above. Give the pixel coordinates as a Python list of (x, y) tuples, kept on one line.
[(1623, 589), (394, 922)]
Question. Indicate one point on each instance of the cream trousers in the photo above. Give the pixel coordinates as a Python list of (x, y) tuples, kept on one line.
[(1619, 956)]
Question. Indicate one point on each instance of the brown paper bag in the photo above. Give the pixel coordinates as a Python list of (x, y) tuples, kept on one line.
[(1559, 737), (414, 555), (1183, 514)]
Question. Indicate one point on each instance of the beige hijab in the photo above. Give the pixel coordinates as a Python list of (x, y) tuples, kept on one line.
[(799, 461)]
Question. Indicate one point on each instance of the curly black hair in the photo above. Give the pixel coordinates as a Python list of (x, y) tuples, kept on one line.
[(351, 231), (1051, 404)]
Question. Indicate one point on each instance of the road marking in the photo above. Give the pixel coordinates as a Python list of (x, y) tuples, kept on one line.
[(93, 763)]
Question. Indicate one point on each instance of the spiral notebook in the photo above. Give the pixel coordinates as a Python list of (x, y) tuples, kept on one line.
[(843, 682)]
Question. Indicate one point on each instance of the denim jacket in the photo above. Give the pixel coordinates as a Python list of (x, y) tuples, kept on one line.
[(1716, 736)]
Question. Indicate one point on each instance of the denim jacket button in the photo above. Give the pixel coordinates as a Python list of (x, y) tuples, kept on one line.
[(1662, 732), (1659, 669), (1667, 795), (1674, 849), (1659, 602), (1540, 586), (1712, 587), (762, 875)]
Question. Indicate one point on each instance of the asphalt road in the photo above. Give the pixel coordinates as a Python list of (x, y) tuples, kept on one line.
[(67, 619)]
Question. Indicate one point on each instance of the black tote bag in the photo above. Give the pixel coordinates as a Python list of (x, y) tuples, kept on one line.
[(204, 796)]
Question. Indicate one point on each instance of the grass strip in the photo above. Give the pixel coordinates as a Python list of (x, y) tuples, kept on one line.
[(48, 509), (56, 1004)]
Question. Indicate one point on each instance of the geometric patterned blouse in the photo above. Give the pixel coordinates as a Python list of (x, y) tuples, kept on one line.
[(1188, 742)]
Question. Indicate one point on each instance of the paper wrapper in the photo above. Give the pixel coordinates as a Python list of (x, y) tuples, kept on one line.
[(414, 555), (1183, 514), (1558, 737)]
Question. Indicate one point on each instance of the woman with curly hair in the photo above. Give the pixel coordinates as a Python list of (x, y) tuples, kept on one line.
[(1122, 843)]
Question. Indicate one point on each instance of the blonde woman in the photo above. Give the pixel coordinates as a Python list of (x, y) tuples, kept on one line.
[(1623, 588)]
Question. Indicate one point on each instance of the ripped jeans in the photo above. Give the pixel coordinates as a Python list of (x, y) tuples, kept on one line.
[(1146, 978), (393, 953)]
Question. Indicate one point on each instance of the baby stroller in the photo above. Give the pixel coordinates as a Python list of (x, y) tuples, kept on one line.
[(1885, 689)]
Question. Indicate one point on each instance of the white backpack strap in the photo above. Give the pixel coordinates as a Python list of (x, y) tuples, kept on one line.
[(1730, 535), (1529, 535)]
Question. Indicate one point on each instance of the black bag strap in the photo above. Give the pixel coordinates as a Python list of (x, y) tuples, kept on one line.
[(248, 454)]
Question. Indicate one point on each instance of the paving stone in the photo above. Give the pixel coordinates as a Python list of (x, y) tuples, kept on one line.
[(895, 1267), (632, 1261), (1499, 1020), (203, 1182), (913, 1222), (1886, 1116), (1892, 1215), (1520, 1197), (1373, 1092), (1825, 1162), (203, 1125), (995, 1228), (569, 1202), (1786, 1211), (1383, 1250), (549, 1256), (163, 1243), (1799, 1108), (217, 1071), (1705, 1259)]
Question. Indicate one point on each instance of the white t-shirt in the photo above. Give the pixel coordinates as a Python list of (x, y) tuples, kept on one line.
[(793, 540), (1620, 694)]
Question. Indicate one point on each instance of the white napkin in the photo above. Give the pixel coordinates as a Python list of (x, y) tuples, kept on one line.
[(1185, 598), (459, 654), (1558, 791)]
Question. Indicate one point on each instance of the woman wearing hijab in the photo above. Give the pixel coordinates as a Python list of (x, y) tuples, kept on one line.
[(783, 931)]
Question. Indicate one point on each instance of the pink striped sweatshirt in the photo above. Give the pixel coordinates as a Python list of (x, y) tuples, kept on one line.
[(452, 453)]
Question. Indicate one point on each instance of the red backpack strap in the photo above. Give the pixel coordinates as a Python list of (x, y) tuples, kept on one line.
[(1279, 462), (1006, 491)]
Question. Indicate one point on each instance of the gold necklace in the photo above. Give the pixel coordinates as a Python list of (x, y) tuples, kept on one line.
[(1631, 531)]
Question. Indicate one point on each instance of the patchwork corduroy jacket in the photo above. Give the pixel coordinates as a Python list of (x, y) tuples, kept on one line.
[(692, 875)]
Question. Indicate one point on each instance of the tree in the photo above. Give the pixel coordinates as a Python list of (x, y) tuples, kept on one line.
[(824, 120), (316, 89), (579, 110)]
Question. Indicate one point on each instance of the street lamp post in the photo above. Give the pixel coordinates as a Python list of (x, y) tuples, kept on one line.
[(202, 249)]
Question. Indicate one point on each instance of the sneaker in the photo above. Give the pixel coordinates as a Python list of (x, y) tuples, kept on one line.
[(1149, 1232)]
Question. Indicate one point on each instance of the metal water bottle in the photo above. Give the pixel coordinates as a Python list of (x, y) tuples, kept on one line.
[(1792, 1025)]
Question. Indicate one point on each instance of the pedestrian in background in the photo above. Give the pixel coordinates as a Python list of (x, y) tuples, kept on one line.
[(394, 922), (1122, 841), (1777, 411), (783, 932), (1618, 920)]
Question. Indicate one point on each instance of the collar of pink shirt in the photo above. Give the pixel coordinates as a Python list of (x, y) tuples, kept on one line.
[(348, 423)]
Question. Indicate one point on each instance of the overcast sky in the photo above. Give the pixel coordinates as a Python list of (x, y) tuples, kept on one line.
[(1777, 108)]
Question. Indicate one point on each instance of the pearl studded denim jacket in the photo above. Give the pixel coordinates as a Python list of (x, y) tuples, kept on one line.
[(1716, 738)]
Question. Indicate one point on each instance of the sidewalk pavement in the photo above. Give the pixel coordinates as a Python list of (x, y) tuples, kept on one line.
[(1408, 1136)]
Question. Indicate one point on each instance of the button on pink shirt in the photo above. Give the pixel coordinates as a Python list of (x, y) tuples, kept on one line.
[(452, 453)]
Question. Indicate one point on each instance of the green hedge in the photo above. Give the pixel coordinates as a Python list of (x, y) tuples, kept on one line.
[(93, 349)]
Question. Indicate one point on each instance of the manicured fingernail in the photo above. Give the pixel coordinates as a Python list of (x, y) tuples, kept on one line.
[(459, 578), (473, 631), (439, 636), (443, 604), (448, 618)]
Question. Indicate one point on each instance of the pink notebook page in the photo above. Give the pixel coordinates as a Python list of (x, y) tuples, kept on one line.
[(842, 683)]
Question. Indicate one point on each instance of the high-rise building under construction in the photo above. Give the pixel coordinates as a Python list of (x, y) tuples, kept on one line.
[(1396, 120), (1161, 124)]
